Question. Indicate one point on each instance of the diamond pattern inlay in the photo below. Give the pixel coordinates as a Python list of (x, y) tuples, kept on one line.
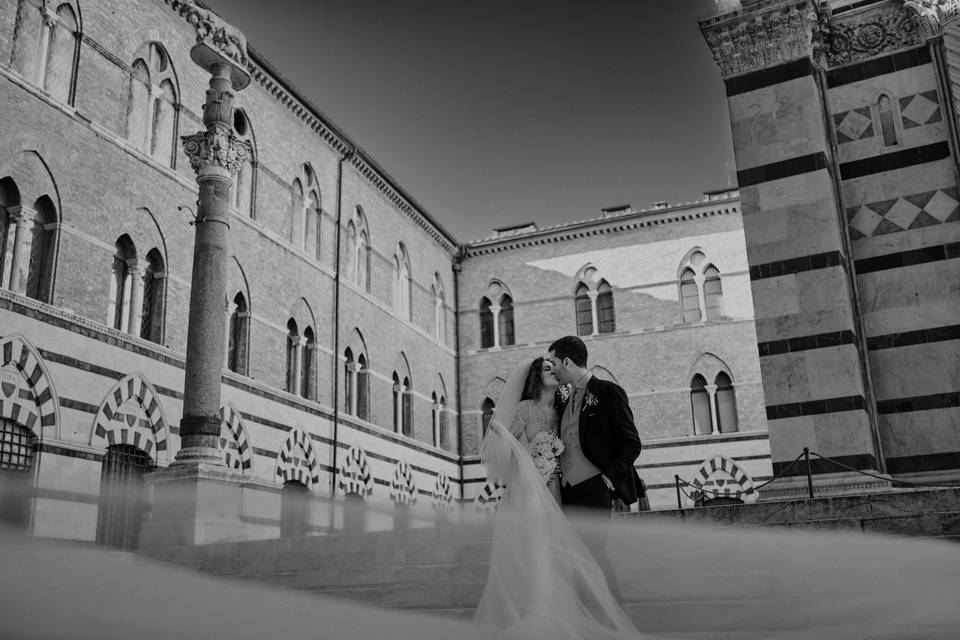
[(854, 124), (920, 109), (903, 213), (866, 220), (907, 212), (941, 206)]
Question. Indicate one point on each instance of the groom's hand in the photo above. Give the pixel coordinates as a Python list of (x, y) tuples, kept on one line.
[(607, 482)]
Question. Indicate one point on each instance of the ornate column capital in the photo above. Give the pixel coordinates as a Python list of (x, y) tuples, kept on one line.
[(217, 41), (216, 151), (762, 34), (16, 213), (933, 16)]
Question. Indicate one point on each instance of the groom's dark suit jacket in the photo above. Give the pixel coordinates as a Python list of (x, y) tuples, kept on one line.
[(609, 437)]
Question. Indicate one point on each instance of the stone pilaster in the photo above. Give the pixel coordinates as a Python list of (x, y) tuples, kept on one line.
[(815, 378)]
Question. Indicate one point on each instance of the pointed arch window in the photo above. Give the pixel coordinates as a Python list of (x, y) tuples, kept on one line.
[(700, 403), (726, 404), (307, 212), (154, 279), (435, 418), (308, 346), (123, 496), (238, 335), (245, 180), (486, 324), (152, 104), (17, 444), (45, 46), (402, 285), (444, 425), (486, 413), (361, 250), (407, 415), (593, 303), (122, 285), (363, 388), (606, 317), (349, 383), (714, 405), (505, 323), (293, 350), (42, 251), (439, 310), (397, 403), (497, 317), (701, 290)]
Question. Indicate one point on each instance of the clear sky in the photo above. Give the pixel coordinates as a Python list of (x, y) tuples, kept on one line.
[(495, 112)]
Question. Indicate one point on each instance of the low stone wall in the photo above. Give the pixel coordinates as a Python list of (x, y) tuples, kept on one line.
[(929, 512)]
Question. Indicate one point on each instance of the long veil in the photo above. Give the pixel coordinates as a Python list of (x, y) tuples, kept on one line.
[(543, 582)]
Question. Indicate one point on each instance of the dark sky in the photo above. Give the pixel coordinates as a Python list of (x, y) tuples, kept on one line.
[(496, 112)]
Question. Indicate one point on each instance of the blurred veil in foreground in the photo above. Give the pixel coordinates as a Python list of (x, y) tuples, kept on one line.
[(675, 580)]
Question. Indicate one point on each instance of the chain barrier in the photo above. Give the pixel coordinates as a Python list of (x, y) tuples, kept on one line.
[(681, 483)]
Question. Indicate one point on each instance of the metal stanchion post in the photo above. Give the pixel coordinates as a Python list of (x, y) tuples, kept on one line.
[(679, 502), (806, 455)]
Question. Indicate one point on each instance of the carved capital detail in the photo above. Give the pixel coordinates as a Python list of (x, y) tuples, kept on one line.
[(764, 35), (213, 31), (868, 35), (933, 15), (216, 147)]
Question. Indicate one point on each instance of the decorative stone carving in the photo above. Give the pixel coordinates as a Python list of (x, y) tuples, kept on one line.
[(216, 147), (213, 31), (890, 29), (763, 35), (933, 15)]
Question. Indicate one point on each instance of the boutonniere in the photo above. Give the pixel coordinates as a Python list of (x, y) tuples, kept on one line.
[(563, 392), (590, 400)]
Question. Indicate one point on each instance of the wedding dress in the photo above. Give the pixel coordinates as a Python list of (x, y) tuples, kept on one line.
[(542, 582)]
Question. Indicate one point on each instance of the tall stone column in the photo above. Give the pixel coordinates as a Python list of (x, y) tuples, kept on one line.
[(197, 499), (14, 217), (19, 228), (812, 350)]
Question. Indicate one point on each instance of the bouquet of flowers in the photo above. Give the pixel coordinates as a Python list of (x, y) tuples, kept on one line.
[(545, 448)]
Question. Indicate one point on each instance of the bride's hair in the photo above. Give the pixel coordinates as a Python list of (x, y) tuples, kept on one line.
[(534, 383)]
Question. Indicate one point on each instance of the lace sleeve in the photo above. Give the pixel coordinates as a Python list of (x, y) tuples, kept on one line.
[(520, 419)]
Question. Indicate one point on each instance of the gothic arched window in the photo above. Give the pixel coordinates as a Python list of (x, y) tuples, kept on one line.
[(45, 46), (886, 114), (152, 104), (505, 323), (245, 181), (606, 318), (726, 404), (700, 402), (122, 284), (238, 335), (293, 348), (402, 283), (61, 50), (486, 413), (486, 324), (154, 279), (397, 404), (42, 251), (583, 309), (407, 408), (308, 348), (701, 290), (363, 388)]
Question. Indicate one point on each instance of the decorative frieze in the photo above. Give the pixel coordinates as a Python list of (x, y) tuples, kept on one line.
[(869, 34), (763, 35)]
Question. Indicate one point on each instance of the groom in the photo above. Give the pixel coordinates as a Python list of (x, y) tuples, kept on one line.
[(600, 440)]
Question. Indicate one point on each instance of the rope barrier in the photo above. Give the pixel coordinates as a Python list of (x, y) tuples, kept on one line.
[(878, 477)]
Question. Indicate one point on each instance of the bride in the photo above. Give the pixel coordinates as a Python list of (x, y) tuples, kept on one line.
[(542, 582)]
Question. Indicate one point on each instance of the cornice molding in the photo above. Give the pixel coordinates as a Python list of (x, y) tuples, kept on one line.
[(275, 85), (603, 226), (764, 34)]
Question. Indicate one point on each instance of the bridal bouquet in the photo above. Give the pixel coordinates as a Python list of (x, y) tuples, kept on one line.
[(545, 448)]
